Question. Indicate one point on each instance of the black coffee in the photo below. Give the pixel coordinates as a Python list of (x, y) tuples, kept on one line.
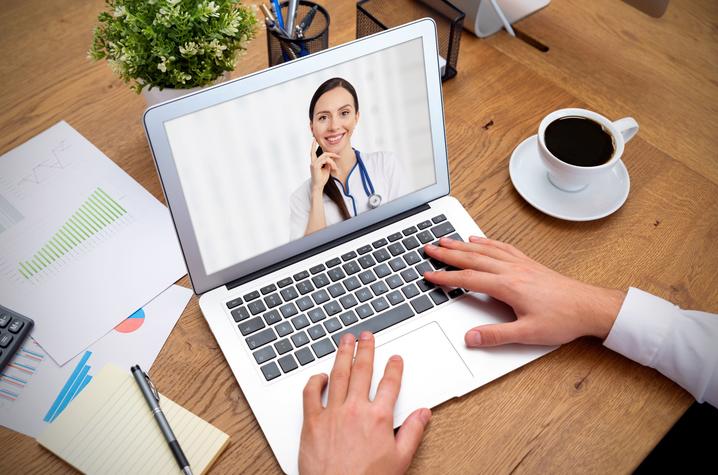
[(579, 141)]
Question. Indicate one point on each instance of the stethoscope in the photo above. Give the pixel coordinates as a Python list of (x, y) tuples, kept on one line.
[(374, 197)]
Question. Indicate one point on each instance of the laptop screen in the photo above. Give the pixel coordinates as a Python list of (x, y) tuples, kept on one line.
[(278, 164)]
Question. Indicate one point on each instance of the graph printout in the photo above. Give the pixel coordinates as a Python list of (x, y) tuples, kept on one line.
[(34, 390), (82, 245)]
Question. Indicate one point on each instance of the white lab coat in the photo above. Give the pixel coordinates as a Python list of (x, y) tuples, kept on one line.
[(385, 174), (681, 344)]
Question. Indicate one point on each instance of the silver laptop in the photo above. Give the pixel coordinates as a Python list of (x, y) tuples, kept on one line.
[(285, 266)]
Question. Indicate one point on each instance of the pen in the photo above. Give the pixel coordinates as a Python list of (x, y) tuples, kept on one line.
[(307, 20), (278, 13), (291, 16), (153, 400)]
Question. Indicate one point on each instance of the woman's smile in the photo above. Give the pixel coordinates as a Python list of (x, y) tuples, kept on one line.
[(334, 139)]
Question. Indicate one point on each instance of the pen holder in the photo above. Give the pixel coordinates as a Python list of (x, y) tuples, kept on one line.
[(374, 16), (316, 37)]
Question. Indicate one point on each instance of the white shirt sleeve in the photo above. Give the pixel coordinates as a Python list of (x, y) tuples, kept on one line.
[(681, 344), (299, 207)]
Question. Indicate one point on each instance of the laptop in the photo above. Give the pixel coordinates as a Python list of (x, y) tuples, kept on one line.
[(278, 286)]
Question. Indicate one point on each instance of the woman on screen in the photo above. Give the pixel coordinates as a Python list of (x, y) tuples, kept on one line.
[(344, 181)]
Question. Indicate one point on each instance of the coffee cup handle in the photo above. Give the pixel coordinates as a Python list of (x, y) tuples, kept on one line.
[(627, 126)]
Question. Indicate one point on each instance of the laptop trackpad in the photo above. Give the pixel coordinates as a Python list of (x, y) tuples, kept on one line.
[(433, 370)]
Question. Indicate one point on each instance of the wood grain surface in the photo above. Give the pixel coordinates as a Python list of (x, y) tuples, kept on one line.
[(580, 409)]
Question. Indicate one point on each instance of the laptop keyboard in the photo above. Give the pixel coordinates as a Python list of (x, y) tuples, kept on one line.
[(301, 318)]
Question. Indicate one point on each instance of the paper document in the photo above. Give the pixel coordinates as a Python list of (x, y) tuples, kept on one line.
[(110, 429), (34, 390), (82, 245)]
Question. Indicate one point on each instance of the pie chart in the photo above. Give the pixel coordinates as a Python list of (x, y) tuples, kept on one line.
[(132, 323)]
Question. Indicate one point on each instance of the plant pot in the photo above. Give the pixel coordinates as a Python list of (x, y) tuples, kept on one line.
[(156, 95)]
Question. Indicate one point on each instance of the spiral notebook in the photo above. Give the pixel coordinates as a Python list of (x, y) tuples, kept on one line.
[(109, 428)]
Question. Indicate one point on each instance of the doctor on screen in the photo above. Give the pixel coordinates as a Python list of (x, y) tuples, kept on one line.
[(345, 182)]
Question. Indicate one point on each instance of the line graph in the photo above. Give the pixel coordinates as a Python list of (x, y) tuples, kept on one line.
[(44, 170)]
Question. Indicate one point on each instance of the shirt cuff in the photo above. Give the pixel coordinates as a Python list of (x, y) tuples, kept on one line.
[(641, 326)]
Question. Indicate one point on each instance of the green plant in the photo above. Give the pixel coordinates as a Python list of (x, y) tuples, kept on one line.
[(172, 43)]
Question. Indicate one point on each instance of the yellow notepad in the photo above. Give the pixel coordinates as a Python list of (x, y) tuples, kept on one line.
[(109, 428)]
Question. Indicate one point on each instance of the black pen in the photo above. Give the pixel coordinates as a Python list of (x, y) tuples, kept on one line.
[(153, 400), (306, 21)]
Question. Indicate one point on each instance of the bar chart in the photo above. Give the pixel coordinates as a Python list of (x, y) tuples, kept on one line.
[(72, 387)]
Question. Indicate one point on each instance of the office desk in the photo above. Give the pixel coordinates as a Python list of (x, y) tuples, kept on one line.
[(581, 408)]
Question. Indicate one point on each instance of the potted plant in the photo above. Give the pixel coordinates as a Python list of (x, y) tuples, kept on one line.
[(167, 48)]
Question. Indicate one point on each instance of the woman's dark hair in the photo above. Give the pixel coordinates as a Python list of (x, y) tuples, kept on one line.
[(330, 187)]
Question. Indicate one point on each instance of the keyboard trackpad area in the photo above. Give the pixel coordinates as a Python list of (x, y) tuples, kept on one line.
[(433, 370)]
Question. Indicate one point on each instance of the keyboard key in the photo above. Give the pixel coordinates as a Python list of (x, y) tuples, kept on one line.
[(284, 329), (438, 296), (240, 314), (251, 296), (365, 311), (412, 258), (332, 308), (442, 229), (379, 288), (320, 280), (300, 322), (425, 285), (381, 255), (287, 363), (367, 277), (422, 252), (300, 276), (364, 249), (273, 300), (348, 301), (270, 371), (251, 326), (317, 331), (410, 291), (378, 323), (323, 348), (283, 346), (268, 288), (316, 314), (258, 307), (455, 237), (394, 281), (380, 304), (408, 275), (333, 262), (351, 283), (425, 237), (366, 262), (349, 256), (379, 243), (423, 267), (233, 303), (382, 271), (363, 294), (264, 354), (395, 249), (304, 356), (284, 282), (260, 338), (421, 304), (5, 340), (397, 264), (305, 303), (424, 224), (456, 292), (289, 293), (320, 296), (394, 237), (437, 264), (317, 269), (410, 243), (300, 339), (351, 267), (348, 318), (288, 310), (395, 297), (332, 325), (409, 231), (336, 290), (272, 317), (438, 219), (336, 274), (304, 287)]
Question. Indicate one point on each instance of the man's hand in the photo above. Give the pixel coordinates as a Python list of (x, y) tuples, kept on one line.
[(551, 308), (354, 435)]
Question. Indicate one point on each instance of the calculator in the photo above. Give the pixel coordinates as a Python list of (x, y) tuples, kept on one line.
[(14, 328)]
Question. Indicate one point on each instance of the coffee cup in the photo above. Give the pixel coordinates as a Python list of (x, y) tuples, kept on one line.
[(581, 145)]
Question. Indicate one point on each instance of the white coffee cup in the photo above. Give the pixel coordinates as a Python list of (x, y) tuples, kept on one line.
[(568, 177)]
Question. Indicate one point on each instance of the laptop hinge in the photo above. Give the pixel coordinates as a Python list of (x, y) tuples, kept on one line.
[(336, 242)]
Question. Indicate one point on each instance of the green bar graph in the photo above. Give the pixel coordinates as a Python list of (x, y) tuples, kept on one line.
[(95, 214)]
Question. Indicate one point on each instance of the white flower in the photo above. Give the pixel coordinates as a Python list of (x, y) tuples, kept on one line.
[(213, 9), (163, 65), (172, 3), (120, 11), (189, 49)]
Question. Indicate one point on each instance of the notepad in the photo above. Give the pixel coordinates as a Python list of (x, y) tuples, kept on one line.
[(109, 428)]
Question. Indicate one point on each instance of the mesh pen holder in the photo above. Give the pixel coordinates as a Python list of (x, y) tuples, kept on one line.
[(281, 49)]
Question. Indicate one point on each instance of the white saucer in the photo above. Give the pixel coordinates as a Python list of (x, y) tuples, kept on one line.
[(599, 199)]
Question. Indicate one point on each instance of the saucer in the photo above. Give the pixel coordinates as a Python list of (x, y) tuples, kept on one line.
[(600, 198)]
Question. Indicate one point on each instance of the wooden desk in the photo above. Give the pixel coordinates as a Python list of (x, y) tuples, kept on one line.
[(582, 408)]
